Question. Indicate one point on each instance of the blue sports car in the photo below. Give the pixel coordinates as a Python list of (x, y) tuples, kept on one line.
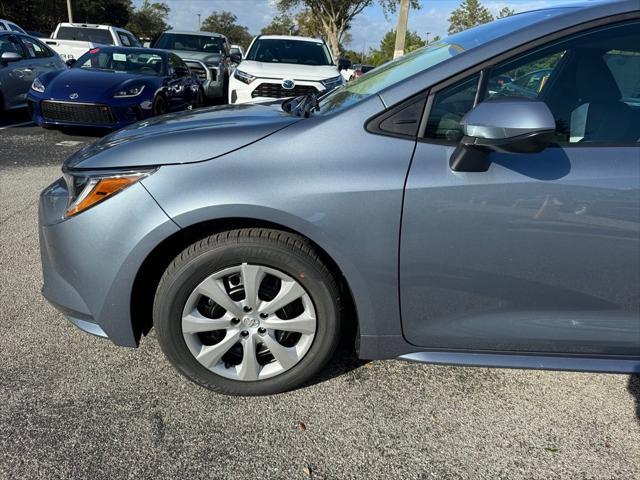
[(112, 87)]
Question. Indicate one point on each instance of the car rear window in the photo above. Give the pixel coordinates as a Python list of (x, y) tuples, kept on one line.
[(94, 35)]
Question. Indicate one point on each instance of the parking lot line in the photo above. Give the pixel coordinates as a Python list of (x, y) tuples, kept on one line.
[(16, 125)]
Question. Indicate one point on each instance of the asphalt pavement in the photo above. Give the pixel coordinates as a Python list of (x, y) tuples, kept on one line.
[(75, 406)]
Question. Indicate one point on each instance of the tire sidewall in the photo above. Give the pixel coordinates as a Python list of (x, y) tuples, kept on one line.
[(173, 293), (156, 102)]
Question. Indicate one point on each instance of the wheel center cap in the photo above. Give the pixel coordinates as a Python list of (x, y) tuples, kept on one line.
[(250, 322)]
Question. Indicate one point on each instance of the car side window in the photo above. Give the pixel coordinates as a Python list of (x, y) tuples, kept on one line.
[(448, 107), (124, 39), (35, 49), (2, 27), (9, 43), (590, 82), (15, 28), (174, 62)]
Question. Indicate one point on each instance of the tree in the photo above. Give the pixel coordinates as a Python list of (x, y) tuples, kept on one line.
[(280, 25), (335, 16), (469, 14), (44, 15), (384, 53), (226, 23), (149, 20), (506, 12), (309, 25)]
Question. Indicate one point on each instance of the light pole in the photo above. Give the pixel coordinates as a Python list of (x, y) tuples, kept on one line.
[(69, 11), (428, 37), (401, 30), (198, 21)]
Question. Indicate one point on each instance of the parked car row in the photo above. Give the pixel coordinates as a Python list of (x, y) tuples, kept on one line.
[(182, 69)]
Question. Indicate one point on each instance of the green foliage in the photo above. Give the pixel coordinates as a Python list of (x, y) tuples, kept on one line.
[(469, 14), (506, 12), (149, 20), (44, 15), (384, 53), (280, 25), (226, 23), (333, 17)]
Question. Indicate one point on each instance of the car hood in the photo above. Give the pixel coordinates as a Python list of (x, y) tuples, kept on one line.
[(89, 85), (288, 70), (202, 56), (185, 137)]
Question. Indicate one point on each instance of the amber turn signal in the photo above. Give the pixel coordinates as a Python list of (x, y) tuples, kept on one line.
[(100, 189)]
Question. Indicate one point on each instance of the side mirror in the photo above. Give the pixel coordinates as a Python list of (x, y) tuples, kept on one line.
[(235, 57), (344, 64), (10, 57), (503, 125), (71, 62), (181, 71)]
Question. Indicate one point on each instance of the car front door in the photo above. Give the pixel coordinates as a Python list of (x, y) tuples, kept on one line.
[(541, 253), (15, 77), (41, 58)]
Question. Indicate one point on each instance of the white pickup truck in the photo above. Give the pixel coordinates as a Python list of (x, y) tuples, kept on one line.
[(71, 40)]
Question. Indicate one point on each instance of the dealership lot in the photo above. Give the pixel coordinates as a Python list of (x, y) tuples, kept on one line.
[(77, 406)]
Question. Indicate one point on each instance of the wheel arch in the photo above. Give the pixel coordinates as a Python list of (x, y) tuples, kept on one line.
[(156, 262)]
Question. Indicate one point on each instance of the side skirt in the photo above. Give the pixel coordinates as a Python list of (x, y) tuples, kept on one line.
[(533, 361)]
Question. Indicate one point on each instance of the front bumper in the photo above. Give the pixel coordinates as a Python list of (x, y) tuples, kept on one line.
[(115, 115), (264, 90), (90, 261)]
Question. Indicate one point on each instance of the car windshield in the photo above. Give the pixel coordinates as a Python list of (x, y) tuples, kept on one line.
[(141, 63), (298, 52), (191, 43), (424, 58)]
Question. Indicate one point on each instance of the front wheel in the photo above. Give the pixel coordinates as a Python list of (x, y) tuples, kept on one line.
[(160, 106), (248, 312)]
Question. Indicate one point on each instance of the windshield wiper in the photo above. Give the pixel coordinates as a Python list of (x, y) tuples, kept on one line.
[(302, 105)]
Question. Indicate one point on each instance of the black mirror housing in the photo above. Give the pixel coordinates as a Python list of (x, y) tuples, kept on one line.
[(70, 62), (235, 57)]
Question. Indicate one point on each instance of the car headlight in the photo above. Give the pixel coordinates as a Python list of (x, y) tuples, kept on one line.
[(332, 82), (89, 189), (212, 64), (243, 76), (37, 86), (129, 92)]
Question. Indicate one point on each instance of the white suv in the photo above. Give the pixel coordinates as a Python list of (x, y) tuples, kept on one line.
[(280, 67)]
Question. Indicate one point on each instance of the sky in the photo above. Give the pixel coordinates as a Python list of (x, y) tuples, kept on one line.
[(367, 29)]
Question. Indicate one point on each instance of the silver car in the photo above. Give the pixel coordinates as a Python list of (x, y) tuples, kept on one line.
[(452, 224), (206, 54), (22, 59)]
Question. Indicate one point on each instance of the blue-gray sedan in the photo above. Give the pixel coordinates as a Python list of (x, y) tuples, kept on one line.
[(456, 219)]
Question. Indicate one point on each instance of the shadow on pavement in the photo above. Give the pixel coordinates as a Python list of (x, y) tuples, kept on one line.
[(634, 390)]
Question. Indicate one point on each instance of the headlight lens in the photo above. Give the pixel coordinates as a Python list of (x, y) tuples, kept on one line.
[(333, 82), (212, 64), (129, 92), (88, 190), (243, 76), (37, 86)]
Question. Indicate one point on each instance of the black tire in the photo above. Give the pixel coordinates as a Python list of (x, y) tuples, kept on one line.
[(199, 102), (160, 105), (283, 251)]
